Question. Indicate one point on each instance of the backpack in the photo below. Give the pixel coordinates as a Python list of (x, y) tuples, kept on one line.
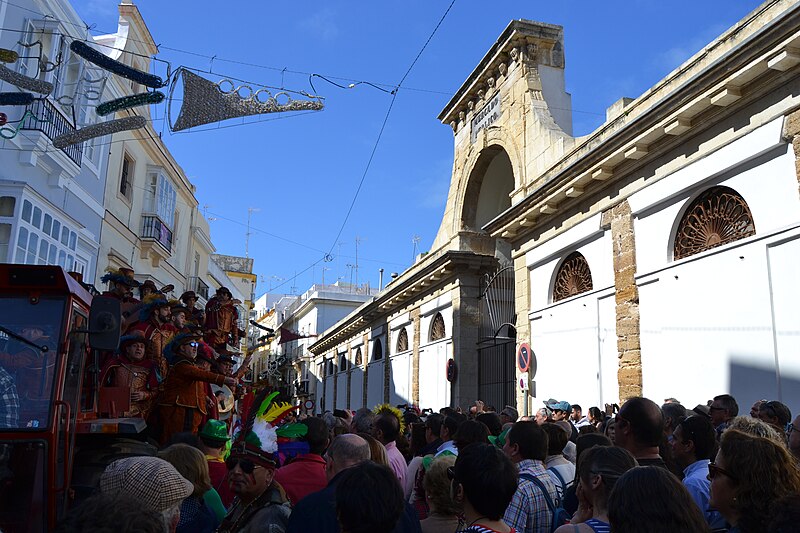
[(564, 485), (560, 515)]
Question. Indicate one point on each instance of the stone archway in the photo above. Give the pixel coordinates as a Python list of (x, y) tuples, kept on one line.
[(489, 188)]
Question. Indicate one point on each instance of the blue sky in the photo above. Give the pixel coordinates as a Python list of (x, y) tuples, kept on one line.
[(302, 172)]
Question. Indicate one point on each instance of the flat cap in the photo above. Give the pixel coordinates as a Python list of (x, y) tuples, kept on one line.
[(149, 480)]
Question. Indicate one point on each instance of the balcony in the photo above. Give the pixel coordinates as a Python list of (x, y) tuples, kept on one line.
[(153, 228), (51, 121), (198, 286), (301, 387)]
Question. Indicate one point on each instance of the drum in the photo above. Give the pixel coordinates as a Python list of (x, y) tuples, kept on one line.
[(224, 400)]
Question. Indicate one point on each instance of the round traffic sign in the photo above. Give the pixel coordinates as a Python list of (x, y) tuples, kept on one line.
[(524, 357), (309, 405)]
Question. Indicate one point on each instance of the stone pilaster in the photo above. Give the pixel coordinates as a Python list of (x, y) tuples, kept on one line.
[(415, 318), (627, 300), (466, 330), (791, 132), (387, 367), (349, 382), (522, 303), (365, 360), (335, 380)]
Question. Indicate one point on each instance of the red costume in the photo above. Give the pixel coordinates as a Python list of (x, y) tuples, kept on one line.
[(139, 376), (221, 324), (156, 337)]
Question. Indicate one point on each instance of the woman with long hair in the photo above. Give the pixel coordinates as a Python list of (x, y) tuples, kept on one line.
[(748, 475), (599, 468), (650, 498), (196, 515), (376, 449)]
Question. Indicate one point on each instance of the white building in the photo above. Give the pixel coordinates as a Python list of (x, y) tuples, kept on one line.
[(51, 200)]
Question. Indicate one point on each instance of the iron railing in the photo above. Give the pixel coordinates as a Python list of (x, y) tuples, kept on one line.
[(154, 228), (51, 121), (198, 286)]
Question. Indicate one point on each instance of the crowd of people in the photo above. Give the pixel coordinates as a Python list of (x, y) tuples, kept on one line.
[(638, 467)]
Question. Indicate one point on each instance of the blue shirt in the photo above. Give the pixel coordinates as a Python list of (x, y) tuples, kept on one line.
[(696, 482)]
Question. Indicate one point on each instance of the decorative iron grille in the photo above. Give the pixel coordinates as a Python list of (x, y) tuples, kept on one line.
[(437, 328), (718, 216), (498, 310), (154, 228), (573, 277), (52, 122), (359, 359), (402, 341), (377, 350)]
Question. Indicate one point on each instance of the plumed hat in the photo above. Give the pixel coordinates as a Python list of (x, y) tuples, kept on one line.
[(258, 439), (188, 294), (206, 353), (131, 338), (171, 349), (122, 275), (152, 302)]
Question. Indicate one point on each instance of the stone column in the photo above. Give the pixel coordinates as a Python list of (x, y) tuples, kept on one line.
[(335, 378), (791, 132), (415, 319), (522, 303), (387, 369), (466, 330), (366, 360), (627, 299)]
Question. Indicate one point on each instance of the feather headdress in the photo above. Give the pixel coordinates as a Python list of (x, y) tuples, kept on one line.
[(386, 409), (258, 439), (124, 276), (151, 303)]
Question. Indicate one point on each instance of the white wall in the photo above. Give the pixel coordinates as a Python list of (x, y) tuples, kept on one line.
[(400, 378), (434, 389), (375, 383)]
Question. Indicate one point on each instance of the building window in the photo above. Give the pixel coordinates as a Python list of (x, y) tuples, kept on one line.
[(5, 238), (161, 198), (43, 240), (437, 328), (359, 358), (343, 363), (718, 216), (377, 350), (573, 277), (402, 341), (126, 178), (7, 204)]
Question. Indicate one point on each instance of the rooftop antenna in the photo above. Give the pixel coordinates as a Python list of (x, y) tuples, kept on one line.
[(358, 240), (250, 211), (415, 240), (294, 283)]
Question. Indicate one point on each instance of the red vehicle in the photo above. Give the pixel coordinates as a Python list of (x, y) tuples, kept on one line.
[(55, 444)]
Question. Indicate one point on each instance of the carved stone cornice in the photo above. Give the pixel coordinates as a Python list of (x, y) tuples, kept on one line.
[(524, 44), (746, 63)]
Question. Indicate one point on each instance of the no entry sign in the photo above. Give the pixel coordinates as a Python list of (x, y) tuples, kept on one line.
[(524, 357)]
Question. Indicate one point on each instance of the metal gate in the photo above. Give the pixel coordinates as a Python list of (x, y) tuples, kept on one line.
[(497, 341)]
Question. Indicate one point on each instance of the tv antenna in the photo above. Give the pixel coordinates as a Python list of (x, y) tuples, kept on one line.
[(250, 211)]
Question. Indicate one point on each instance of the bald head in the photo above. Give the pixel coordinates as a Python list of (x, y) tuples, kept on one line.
[(641, 423), (345, 451)]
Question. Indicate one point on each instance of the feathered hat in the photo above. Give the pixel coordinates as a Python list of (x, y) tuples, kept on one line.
[(152, 302), (258, 439), (171, 349), (122, 275), (132, 337)]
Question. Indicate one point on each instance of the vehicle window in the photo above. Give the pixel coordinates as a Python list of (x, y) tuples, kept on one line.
[(29, 338), (22, 491)]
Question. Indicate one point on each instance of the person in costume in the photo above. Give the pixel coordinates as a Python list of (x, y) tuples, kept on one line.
[(132, 370), (183, 406), (213, 441), (179, 314), (120, 287), (206, 361), (261, 503), (195, 315), (147, 288), (221, 325), (157, 329)]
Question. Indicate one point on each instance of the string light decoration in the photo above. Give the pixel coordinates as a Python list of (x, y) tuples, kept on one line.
[(126, 102), (99, 130), (3, 119), (117, 67), (205, 102), (8, 56), (8, 132), (16, 98), (25, 82)]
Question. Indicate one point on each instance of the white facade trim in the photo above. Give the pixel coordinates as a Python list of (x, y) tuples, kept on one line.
[(569, 239)]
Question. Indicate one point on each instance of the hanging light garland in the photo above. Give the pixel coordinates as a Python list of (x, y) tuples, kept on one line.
[(126, 102), (117, 67), (8, 56), (16, 98), (99, 130), (25, 82)]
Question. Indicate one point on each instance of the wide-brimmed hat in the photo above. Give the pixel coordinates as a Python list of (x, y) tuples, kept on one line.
[(178, 307), (122, 275), (149, 480), (225, 358), (152, 302), (510, 412), (188, 294), (131, 338), (171, 349), (225, 290), (555, 405), (215, 431), (150, 284)]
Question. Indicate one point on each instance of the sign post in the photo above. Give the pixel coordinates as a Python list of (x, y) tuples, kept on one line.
[(526, 362)]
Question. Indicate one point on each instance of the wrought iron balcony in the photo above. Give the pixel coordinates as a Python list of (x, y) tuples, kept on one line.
[(153, 228), (51, 121)]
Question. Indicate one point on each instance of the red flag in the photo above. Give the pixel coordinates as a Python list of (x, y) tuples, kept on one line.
[(289, 336)]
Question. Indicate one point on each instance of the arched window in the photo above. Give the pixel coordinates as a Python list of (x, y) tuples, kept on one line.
[(359, 359), (377, 350), (402, 341), (343, 362), (573, 277), (718, 216), (331, 368), (437, 328)]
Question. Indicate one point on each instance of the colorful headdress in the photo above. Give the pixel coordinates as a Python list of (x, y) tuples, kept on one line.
[(386, 409), (258, 439), (151, 303), (124, 276)]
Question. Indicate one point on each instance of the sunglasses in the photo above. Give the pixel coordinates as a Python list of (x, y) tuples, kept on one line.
[(194, 344), (246, 465), (714, 471)]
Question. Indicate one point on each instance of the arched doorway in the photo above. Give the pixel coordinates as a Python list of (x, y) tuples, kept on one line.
[(489, 189)]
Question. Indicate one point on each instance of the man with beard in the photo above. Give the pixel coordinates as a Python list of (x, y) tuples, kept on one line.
[(133, 371), (157, 329)]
